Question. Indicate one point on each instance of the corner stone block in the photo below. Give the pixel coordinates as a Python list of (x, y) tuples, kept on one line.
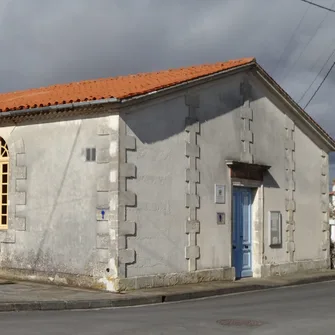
[(192, 150), (127, 198), (289, 124), (290, 163), (192, 201), (192, 123), (19, 146), (20, 172), (102, 227), (192, 176), (290, 205), (130, 143), (20, 223), (246, 113), (325, 245), (246, 135), (20, 185), (325, 226), (126, 256), (192, 252), (21, 159), (324, 206), (192, 226), (290, 247), (289, 181), (127, 170), (324, 169), (290, 226), (103, 241), (324, 187), (289, 144), (102, 200), (20, 198), (127, 228)]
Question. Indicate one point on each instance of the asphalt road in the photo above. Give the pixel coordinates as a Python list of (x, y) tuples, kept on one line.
[(308, 309)]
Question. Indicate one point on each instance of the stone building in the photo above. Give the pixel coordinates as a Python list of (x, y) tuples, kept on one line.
[(210, 172)]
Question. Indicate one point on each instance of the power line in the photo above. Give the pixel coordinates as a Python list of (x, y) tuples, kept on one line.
[(317, 5), (292, 36), (306, 46), (319, 86), (317, 76)]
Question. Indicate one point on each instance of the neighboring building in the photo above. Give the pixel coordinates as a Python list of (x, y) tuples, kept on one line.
[(204, 173), (332, 212)]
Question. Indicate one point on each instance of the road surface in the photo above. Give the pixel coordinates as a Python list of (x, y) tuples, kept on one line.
[(308, 309)]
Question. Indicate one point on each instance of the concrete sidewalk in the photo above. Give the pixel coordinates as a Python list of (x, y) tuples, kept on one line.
[(28, 296)]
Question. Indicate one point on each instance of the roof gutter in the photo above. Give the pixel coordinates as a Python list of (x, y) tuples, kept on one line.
[(56, 108)]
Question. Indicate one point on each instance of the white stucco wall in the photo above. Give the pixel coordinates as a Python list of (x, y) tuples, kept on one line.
[(269, 149), (60, 233), (64, 195), (160, 184), (308, 233)]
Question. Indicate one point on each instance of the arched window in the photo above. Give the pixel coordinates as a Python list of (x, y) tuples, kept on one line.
[(4, 169)]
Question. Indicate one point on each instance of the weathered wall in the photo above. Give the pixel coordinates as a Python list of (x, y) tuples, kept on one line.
[(56, 197), (297, 186), (269, 149), (154, 178), (160, 212), (309, 236), (182, 144)]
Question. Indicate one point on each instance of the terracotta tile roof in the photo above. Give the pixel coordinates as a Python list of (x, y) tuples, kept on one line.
[(117, 87)]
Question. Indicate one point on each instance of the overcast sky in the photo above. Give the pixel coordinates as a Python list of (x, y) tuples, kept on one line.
[(44, 42)]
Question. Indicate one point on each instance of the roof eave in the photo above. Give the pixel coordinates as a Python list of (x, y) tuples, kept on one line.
[(56, 108), (274, 87), (121, 103)]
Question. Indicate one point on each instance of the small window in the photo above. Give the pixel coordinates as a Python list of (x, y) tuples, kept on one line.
[(4, 168), (90, 154)]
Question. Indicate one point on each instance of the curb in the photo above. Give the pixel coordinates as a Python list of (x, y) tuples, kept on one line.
[(61, 305)]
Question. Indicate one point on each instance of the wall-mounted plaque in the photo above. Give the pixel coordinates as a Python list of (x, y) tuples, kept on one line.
[(219, 194), (275, 229)]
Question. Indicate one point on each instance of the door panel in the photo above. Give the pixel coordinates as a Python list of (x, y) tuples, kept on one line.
[(242, 244)]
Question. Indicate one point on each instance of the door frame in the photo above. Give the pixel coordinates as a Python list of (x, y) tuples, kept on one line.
[(257, 222)]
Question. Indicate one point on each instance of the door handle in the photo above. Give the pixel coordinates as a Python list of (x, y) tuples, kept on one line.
[(246, 246), (234, 247)]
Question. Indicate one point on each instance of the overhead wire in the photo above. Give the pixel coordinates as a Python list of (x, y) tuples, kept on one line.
[(306, 46), (292, 36), (317, 76), (320, 6), (317, 90)]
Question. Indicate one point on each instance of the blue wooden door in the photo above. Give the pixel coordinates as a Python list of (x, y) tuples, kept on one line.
[(242, 246)]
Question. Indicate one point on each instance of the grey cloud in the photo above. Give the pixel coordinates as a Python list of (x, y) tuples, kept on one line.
[(45, 41)]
